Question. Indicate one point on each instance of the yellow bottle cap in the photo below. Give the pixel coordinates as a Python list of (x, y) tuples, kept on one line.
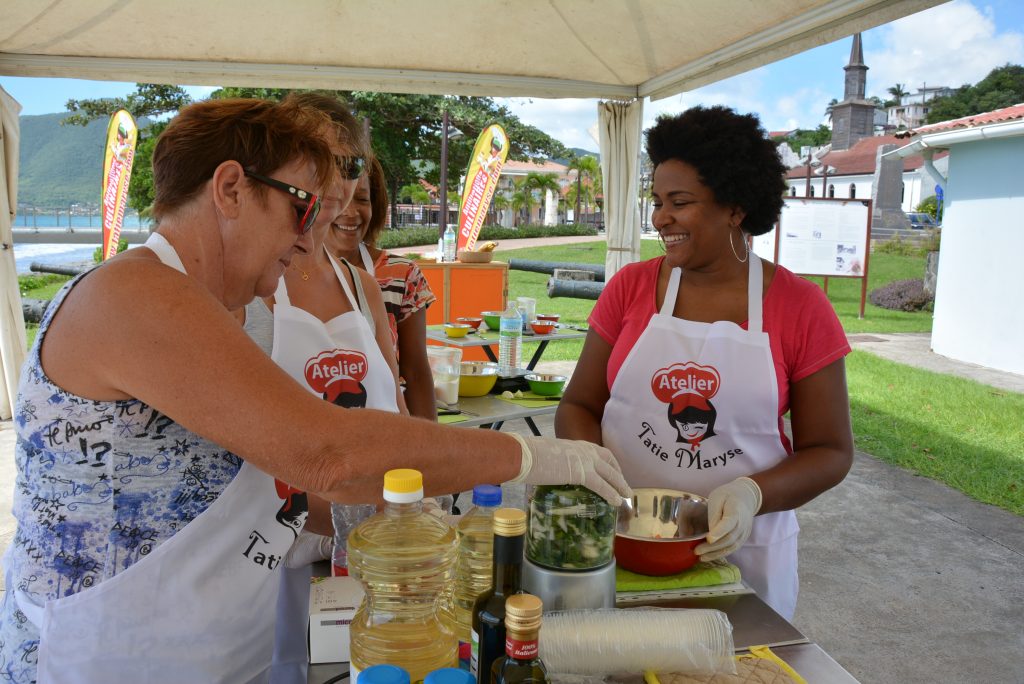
[(509, 522), (523, 613), (403, 481)]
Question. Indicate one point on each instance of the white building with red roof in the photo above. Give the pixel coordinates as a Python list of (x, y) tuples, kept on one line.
[(978, 314), (851, 174)]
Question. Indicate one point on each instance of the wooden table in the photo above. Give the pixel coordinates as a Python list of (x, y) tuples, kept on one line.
[(488, 340)]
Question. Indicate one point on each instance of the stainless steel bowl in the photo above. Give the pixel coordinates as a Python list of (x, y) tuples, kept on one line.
[(663, 515), (478, 368), (659, 530)]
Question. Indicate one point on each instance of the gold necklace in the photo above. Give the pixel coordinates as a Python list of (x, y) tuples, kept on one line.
[(305, 276)]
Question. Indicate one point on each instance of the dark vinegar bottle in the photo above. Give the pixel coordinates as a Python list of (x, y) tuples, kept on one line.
[(506, 579), (521, 663)]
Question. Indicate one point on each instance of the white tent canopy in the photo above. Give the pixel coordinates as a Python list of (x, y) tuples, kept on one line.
[(612, 49), (555, 48)]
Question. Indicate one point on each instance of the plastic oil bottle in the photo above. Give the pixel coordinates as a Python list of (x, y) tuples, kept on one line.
[(405, 559), (473, 569)]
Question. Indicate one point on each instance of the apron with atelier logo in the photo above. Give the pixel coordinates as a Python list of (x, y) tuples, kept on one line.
[(339, 361), (199, 608), (695, 405)]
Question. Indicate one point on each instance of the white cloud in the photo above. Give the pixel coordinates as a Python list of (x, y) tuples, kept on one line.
[(949, 45)]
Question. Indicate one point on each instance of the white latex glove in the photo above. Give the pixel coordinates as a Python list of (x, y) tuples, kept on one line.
[(307, 548), (731, 511), (549, 461)]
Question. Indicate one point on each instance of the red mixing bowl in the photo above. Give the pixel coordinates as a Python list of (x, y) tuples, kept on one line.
[(658, 529)]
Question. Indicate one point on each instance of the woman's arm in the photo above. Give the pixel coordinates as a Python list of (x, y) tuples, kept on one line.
[(177, 349), (382, 331), (582, 406), (822, 442), (414, 367)]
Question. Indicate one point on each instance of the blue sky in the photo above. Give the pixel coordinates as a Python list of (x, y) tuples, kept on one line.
[(952, 44)]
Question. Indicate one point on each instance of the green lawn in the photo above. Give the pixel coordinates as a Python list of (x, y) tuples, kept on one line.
[(968, 435)]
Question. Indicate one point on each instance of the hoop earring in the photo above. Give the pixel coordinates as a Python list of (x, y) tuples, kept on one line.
[(746, 247)]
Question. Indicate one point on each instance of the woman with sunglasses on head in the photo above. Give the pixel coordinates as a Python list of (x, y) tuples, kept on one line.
[(709, 321), (163, 458), (406, 292)]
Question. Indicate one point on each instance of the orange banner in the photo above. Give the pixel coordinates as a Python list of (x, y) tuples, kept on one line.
[(481, 182), (122, 134)]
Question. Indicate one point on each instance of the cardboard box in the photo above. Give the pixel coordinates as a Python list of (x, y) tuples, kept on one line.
[(332, 604)]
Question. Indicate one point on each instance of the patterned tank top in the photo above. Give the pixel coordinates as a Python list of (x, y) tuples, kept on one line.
[(99, 485)]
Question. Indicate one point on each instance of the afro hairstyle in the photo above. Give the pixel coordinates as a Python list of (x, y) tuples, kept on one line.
[(733, 157)]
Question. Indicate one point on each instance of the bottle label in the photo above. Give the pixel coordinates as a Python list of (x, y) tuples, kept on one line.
[(520, 650), (474, 653)]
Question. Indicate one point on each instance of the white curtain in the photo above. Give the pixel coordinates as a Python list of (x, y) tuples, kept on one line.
[(12, 320), (619, 126)]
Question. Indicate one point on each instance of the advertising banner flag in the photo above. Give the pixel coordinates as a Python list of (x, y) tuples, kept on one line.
[(481, 182), (122, 133)]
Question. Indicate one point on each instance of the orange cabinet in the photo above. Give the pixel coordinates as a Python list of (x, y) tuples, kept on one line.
[(465, 290)]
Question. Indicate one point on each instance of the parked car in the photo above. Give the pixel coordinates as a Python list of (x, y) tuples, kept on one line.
[(920, 220)]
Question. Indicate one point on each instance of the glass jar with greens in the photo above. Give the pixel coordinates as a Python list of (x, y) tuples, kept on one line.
[(570, 528)]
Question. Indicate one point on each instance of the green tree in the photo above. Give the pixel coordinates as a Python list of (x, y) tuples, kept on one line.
[(413, 193), (148, 101), (898, 91), (813, 138), (499, 202), (588, 167), (1002, 87)]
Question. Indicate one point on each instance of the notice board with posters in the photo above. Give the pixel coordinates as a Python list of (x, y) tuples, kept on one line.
[(823, 237)]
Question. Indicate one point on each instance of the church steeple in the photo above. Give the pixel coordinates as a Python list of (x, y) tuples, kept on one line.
[(853, 118), (856, 72)]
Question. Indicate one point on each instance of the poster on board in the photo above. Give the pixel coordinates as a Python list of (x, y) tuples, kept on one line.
[(824, 237)]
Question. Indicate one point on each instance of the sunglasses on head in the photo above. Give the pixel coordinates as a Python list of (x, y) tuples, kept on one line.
[(350, 168), (307, 213)]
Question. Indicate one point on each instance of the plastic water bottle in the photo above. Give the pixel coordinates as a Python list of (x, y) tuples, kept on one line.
[(450, 241), (450, 675), (405, 560), (473, 569), (345, 517), (510, 340)]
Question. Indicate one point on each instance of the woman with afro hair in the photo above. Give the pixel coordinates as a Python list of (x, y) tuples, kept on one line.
[(709, 319)]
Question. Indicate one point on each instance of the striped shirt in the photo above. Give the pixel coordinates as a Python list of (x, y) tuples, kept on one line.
[(404, 287)]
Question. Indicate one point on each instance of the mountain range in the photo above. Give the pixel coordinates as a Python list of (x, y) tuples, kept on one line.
[(59, 165)]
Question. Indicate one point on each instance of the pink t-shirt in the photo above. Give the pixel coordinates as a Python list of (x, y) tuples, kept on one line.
[(803, 330)]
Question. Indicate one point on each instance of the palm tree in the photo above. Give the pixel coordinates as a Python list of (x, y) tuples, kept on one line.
[(522, 198), (499, 203), (898, 91), (541, 183), (583, 166), (831, 105)]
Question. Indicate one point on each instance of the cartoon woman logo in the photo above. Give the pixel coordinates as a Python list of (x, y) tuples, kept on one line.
[(337, 376), (294, 510), (687, 388)]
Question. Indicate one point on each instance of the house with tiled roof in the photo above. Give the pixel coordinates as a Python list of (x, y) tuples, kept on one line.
[(851, 174), (546, 212), (978, 317)]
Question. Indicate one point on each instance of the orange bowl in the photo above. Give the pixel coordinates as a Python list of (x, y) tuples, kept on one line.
[(470, 321), (542, 327), (548, 317), (658, 530)]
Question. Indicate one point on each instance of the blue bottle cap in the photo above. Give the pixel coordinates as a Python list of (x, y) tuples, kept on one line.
[(486, 495), (448, 675), (384, 674)]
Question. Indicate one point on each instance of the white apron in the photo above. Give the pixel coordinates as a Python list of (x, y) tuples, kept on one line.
[(341, 362), (694, 406), (364, 254), (197, 609)]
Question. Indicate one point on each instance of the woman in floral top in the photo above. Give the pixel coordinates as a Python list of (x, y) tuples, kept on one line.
[(406, 292)]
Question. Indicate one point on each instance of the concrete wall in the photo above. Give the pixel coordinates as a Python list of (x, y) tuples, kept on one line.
[(978, 313)]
